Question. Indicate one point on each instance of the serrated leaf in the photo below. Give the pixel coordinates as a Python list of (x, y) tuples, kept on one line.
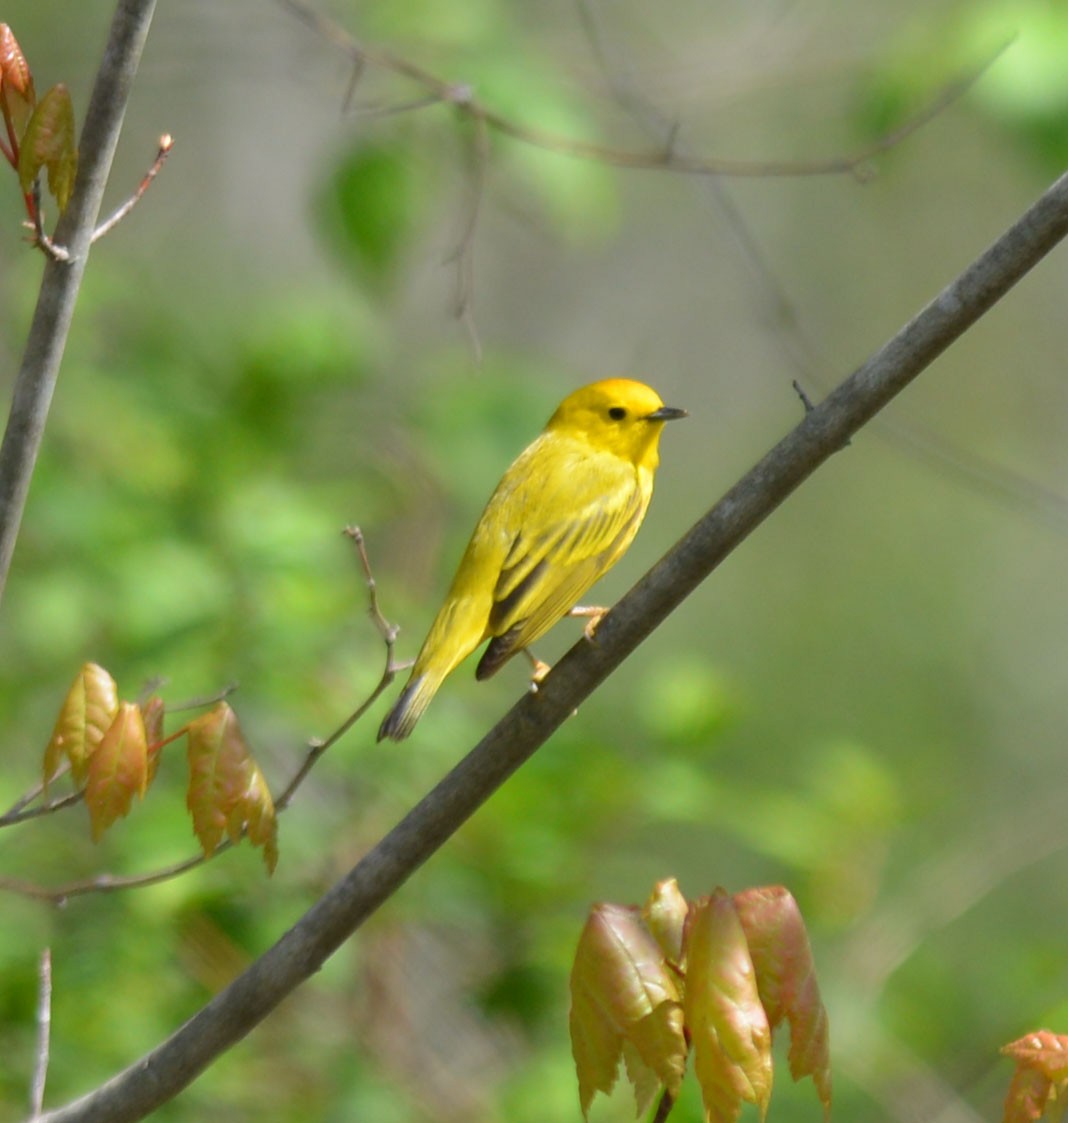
[(227, 792), (118, 769), (786, 980), (728, 1028), (664, 914), (85, 716), (49, 142), (17, 97), (621, 991), (1039, 1085), (643, 1080)]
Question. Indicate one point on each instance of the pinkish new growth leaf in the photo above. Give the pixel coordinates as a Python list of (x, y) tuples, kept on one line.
[(714, 976), (786, 978), (17, 97), (728, 1028), (624, 1004), (665, 916)]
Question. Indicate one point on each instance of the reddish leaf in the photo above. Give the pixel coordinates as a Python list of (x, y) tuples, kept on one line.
[(786, 978), (665, 916), (17, 97), (48, 142), (227, 792), (624, 1003), (118, 770), (1040, 1083), (85, 716), (726, 1021)]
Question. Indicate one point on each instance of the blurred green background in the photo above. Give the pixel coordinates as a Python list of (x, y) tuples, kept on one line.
[(866, 703)]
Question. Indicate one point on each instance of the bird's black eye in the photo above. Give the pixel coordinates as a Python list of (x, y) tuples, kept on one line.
[(617, 413)]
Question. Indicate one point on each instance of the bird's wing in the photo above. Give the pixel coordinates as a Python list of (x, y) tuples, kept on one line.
[(594, 509)]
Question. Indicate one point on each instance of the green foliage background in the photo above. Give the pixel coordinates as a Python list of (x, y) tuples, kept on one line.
[(867, 701)]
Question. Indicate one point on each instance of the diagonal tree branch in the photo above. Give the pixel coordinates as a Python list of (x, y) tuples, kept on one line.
[(162, 1073), (37, 376)]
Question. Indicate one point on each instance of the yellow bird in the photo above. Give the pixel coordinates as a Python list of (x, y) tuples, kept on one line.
[(562, 516)]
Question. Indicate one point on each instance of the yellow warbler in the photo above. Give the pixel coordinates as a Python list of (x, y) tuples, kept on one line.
[(563, 515)]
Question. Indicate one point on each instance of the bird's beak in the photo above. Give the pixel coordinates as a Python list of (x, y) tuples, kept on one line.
[(666, 413)]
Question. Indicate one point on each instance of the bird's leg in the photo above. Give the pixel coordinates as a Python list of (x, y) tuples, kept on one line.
[(593, 614), (538, 670)]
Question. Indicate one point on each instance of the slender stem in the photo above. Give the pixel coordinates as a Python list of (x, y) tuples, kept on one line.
[(44, 1034), (162, 1073), (166, 143), (37, 376)]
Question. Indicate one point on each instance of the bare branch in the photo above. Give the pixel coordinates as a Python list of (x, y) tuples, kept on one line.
[(389, 633), (161, 1074), (662, 159), (44, 1034), (22, 812), (386, 630), (464, 254), (47, 339), (166, 143), (970, 468), (105, 882)]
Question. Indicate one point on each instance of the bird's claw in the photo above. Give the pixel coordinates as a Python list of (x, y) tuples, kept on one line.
[(594, 614)]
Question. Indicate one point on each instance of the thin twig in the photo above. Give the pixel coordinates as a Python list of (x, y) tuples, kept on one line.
[(45, 344), (111, 883), (663, 1108), (464, 254), (369, 112), (204, 700), (799, 390), (665, 159), (971, 469), (354, 81), (40, 239), (106, 882), (947, 886), (34, 792), (25, 813), (386, 630), (44, 1034), (166, 142), (389, 633)]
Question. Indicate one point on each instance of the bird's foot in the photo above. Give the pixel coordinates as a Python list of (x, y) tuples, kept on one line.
[(538, 670), (593, 614)]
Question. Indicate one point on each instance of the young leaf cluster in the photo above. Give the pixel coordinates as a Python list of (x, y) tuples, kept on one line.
[(39, 133), (712, 978), (112, 749)]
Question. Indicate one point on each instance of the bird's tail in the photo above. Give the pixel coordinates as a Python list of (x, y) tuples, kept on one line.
[(409, 707)]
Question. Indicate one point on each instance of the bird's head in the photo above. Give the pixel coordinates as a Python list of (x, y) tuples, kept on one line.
[(616, 415)]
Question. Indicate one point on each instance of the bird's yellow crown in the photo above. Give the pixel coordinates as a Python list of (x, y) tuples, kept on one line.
[(615, 415)]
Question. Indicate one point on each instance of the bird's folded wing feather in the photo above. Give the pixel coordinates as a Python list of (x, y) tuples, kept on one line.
[(550, 566)]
